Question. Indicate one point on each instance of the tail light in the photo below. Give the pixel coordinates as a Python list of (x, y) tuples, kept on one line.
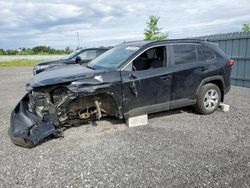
[(231, 63)]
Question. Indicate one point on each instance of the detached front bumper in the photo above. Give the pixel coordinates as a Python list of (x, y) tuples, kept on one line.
[(26, 128)]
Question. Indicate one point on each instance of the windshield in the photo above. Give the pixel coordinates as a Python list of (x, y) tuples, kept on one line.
[(113, 58), (71, 55)]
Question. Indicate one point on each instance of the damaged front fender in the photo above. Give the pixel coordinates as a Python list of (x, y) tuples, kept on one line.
[(26, 128)]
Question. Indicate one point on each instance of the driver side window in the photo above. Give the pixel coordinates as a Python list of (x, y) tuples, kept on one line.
[(150, 59), (88, 55)]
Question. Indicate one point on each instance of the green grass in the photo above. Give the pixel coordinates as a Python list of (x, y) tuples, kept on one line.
[(18, 63)]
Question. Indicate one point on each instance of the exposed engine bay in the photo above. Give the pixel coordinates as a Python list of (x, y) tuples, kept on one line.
[(58, 107), (68, 108), (64, 107)]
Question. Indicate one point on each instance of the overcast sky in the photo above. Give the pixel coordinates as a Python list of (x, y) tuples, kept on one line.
[(25, 23)]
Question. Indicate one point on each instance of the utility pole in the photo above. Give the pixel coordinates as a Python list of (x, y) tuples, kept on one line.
[(78, 41)]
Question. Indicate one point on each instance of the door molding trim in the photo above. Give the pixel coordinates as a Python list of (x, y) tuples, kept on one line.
[(182, 102), (160, 107), (147, 109)]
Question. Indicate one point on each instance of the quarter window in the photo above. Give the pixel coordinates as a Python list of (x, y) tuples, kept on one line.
[(204, 53), (184, 53)]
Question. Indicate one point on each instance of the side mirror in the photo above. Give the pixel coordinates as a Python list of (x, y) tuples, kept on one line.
[(78, 59)]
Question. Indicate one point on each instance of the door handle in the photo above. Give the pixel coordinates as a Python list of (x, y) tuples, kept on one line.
[(165, 77), (203, 69)]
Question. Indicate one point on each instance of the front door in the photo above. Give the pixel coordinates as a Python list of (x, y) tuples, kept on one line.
[(147, 86)]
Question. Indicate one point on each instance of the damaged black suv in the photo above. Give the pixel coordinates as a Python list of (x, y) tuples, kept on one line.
[(131, 79)]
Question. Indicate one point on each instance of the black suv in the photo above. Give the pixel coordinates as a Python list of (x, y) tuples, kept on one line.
[(128, 80), (82, 56)]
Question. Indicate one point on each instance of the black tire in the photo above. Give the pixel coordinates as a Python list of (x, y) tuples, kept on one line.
[(201, 105)]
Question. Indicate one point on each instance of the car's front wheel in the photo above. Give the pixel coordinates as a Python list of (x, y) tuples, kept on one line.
[(208, 99)]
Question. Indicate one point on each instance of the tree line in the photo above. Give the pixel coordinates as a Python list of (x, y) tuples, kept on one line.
[(37, 50)]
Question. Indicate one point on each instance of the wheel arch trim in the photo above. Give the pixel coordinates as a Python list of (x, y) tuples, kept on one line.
[(210, 80)]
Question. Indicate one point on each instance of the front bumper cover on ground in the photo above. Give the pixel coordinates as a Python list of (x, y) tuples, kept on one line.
[(26, 128)]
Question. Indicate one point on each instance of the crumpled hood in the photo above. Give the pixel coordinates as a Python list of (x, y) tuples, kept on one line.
[(61, 75)]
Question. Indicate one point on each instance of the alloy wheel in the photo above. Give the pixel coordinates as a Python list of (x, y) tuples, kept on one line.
[(211, 99)]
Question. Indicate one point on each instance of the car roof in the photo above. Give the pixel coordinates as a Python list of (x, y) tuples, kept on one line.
[(161, 42)]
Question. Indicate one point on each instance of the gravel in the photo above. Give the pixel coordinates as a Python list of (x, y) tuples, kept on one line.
[(178, 148)]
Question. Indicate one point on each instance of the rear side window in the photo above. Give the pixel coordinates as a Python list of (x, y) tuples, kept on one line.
[(204, 53), (184, 53)]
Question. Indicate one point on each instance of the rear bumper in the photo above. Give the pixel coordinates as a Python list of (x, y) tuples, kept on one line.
[(26, 128)]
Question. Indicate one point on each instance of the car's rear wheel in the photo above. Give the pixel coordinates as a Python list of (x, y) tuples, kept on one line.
[(208, 99)]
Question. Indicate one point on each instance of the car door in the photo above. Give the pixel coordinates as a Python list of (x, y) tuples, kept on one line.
[(189, 71), (147, 90)]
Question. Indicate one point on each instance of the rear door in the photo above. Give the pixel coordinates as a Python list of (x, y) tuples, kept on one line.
[(189, 70)]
